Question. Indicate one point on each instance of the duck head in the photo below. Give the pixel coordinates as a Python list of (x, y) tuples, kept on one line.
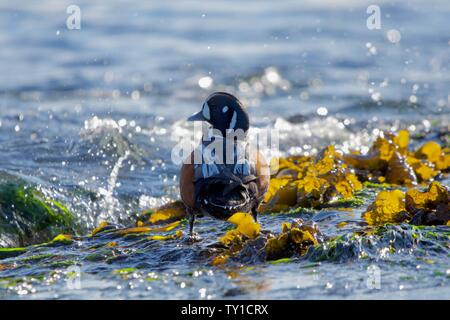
[(224, 112)]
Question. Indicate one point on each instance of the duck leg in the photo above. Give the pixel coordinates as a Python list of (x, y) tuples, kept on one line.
[(191, 222), (255, 213), (193, 236)]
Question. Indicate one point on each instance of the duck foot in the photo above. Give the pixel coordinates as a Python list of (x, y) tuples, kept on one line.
[(193, 238)]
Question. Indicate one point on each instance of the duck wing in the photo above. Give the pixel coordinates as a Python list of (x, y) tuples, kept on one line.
[(262, 175)]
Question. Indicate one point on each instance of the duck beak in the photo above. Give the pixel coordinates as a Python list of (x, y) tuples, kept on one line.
[(197, 117)]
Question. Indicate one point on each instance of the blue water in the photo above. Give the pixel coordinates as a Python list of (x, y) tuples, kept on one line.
[(75, 102)]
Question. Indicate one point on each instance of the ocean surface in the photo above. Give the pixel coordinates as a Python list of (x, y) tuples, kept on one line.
[(92, 115)]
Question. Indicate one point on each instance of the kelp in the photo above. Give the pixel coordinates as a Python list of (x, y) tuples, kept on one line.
[(313, 182), (390, 160), (163, 219), (246, 225), (62, 239), (430, 207), (310, 182), (167, 213), (294, 239), (281, 195), (434, 196), (101, 227), (246, 228), (388, 207), (165, 228), (178, 234)]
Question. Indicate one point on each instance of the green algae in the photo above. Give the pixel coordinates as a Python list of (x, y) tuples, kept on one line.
[(338, 249), (8, 282), (367, 245), (310, 265), (376, 185), (27, 216), (279, 261), (298, 211), (62, 264), (101, 255), (151, 279), (37, 257), (354, 202), (125, 270), (11, 252)]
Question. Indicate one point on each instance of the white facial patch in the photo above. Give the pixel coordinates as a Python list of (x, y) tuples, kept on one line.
[(205, 111), (233, 120), (225, 109)]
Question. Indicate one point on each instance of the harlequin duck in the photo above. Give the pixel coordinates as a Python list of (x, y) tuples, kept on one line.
[(220, 181)]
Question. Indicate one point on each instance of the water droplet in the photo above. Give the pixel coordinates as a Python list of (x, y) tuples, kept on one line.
[(202, 292), (413, 99), (394, 35), (322, 111), (376, 96), (272, 75), (122, 122), (205, 82), (135, 95)]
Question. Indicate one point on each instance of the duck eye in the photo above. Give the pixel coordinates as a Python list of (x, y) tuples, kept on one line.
[(225, 109)]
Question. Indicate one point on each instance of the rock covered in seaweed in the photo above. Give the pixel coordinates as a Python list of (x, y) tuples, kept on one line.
[(383, 242), (27, 216)]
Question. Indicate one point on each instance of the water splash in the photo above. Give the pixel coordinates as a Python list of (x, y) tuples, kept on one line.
[(111, 203)]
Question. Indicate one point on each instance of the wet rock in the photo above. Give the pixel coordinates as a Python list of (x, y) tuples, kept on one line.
[(27, 216)]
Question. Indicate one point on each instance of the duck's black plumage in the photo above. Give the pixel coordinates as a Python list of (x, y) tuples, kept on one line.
[(223, 195), (222, 187)]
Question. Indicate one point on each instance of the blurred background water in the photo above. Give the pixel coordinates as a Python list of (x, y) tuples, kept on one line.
[(96, 111)]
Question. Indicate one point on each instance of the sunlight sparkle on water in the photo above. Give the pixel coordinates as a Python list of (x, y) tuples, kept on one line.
[(205, 82), (322, 111), (394, 35)]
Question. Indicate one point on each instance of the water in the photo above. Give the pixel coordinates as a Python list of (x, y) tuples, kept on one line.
[(92, 115)]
